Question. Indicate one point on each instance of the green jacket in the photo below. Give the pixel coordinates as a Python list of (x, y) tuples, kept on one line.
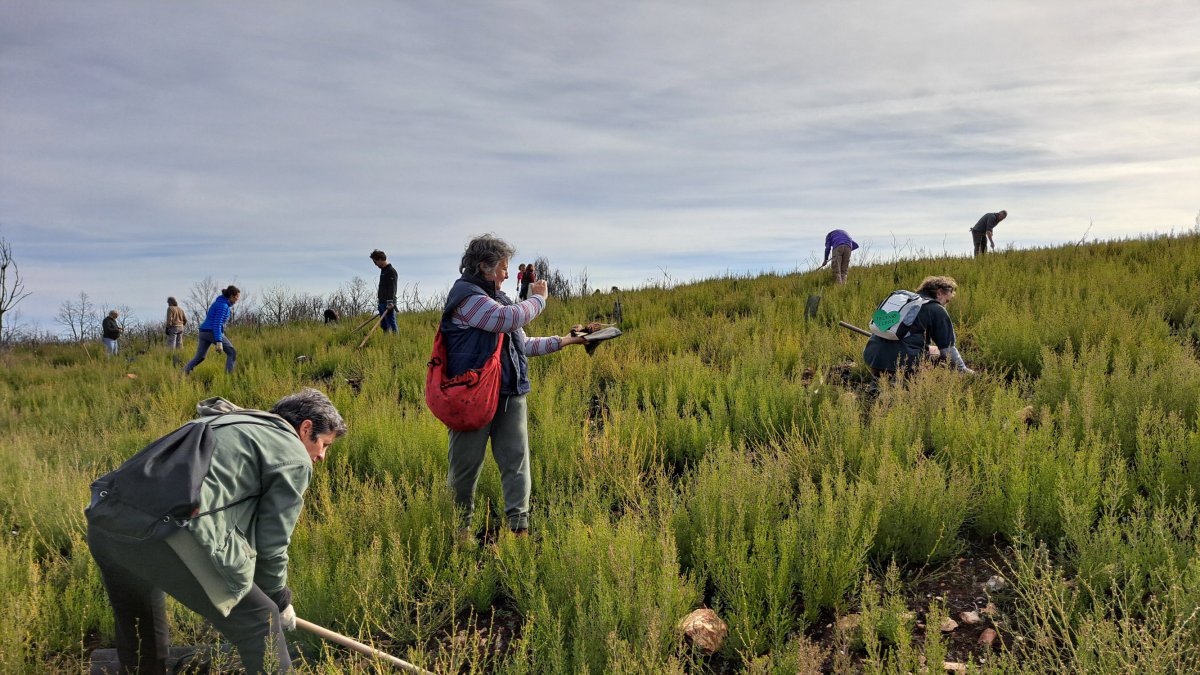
[(257, 479)]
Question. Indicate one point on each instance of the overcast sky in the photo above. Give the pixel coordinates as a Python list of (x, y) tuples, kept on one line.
[(147, 145)]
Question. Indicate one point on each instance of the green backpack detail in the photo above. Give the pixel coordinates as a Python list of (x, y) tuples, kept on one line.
[(894, 317)]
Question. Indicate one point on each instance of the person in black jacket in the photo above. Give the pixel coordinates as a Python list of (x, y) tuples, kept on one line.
[(111, 332), (388, 278), (931, 337)]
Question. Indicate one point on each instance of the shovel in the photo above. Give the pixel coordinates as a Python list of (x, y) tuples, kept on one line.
[(351, 643)]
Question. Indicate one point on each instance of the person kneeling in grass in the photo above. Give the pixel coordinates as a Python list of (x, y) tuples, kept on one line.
[(930, 339)]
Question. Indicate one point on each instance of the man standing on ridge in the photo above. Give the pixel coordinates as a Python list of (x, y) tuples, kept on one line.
[(839, 243), (388, 278), (984, 229)]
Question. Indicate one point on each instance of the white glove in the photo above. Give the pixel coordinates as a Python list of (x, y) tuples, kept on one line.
[(287, 618)]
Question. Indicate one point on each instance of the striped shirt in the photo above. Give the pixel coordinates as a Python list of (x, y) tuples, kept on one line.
[(484, 313)]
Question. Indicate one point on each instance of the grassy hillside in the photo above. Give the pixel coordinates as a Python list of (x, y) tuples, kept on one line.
[(722, 453)]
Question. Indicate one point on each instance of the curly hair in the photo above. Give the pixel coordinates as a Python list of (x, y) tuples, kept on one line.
[(484, 254), (931, 285)]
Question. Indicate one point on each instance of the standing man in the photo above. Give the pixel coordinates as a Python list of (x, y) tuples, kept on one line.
[(839, 243), (111, 332), (388, 278), (228, 563), (984, 229)]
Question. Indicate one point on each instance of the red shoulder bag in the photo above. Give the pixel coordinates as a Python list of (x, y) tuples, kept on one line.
[(468, 401)]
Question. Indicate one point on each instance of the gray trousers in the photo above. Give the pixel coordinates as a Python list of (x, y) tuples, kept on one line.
[(207, 340), (509, 433), (839, 262), (136, 577)]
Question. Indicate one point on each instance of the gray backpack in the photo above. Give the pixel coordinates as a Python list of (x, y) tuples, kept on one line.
[(157, 491), (894, 317)]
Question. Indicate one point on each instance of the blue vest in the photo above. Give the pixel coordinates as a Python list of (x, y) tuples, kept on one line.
[(468, 348)]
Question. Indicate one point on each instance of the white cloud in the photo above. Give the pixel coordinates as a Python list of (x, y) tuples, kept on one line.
[(147, 145)]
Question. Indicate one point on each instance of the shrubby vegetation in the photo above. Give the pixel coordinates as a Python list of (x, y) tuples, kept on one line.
[(723, 453)]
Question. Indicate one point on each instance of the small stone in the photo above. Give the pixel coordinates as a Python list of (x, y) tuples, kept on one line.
[(996, 583), (131, 376), (948, 625), (970, 618), (954, 666), (705, 629), (987, 637)]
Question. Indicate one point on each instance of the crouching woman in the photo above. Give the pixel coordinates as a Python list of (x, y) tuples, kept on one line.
[(930, 339)]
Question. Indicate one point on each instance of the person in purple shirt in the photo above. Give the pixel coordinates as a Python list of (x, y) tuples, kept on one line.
[(838, 244)]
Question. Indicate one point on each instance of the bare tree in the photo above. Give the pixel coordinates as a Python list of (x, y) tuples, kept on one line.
[(199, 298), (279, 306), (353, 297), (12, 289), (125, 317), (79, 317), (558, 285)]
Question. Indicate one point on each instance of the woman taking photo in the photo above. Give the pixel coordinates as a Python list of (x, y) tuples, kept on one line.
[(477, 314), (212, 331)]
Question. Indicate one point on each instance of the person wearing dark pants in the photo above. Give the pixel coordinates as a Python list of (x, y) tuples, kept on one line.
[(212, 331), (229, 561), (388, 280), (981, 234), (138, 577)]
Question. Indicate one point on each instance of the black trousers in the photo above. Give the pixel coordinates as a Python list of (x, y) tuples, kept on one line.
[(137, 578)]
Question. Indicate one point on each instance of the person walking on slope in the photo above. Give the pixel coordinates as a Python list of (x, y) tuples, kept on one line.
[(388, 279), (230, 563), (477, 314), (930, 338), (110, 332), (212, 331), (176, 321), (981, 234), (839, 244)]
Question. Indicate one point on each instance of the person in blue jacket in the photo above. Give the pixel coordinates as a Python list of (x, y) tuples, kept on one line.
[(212, 331)]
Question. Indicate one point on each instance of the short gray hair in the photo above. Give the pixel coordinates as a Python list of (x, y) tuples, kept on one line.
[(310, 404), (485, 251)]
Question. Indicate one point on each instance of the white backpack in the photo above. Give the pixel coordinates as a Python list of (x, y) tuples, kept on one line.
[(899, 309)]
